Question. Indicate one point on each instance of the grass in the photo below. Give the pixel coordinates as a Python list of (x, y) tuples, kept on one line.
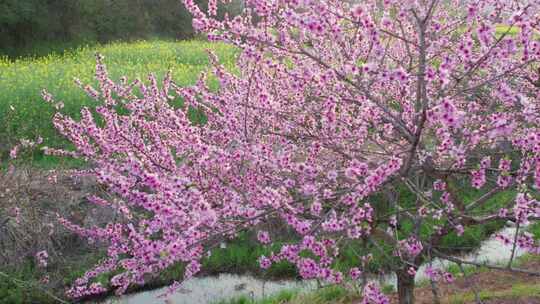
[(241, 256), (329, 294), (22, 80), (284, 296), (516, 291), (22, 284)]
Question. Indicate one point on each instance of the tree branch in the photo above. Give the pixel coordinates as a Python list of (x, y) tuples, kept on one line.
[(490, 266)]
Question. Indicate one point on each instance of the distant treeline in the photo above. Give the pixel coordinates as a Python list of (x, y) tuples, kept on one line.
[(27, 25)]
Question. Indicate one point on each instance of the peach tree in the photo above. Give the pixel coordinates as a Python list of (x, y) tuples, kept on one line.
[(332, 104)]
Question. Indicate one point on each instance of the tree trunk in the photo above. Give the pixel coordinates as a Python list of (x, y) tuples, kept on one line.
[(405, 287)]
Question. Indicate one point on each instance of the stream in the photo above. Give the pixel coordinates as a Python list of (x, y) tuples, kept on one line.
[(209, 290)]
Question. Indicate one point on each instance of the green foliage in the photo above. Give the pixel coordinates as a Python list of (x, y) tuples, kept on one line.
[(535, 230), (241, 256), (18, 285), (23, 283), (388, 289)]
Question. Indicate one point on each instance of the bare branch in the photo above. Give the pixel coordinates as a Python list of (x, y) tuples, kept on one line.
[(490, 266)]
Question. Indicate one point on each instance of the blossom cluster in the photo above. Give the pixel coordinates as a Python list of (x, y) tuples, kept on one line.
[(42, 258), (438, 274)]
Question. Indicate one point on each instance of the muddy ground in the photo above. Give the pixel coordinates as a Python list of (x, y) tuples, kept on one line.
[(493, 286)]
